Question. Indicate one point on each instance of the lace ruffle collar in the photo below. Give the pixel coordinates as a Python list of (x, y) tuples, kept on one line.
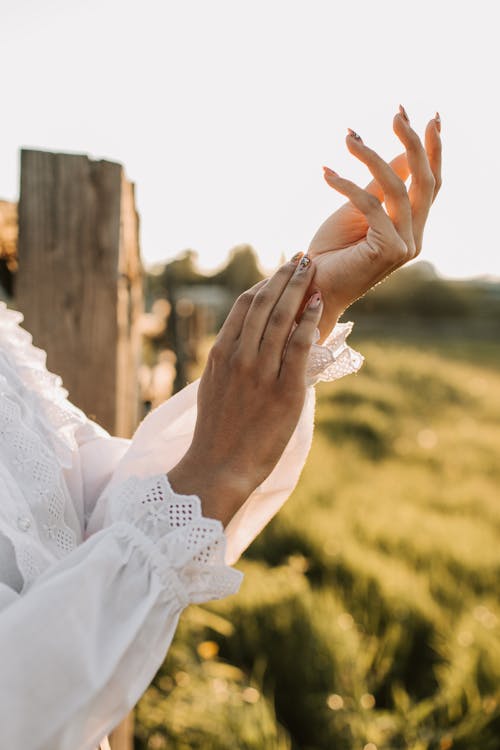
[(60, 417)]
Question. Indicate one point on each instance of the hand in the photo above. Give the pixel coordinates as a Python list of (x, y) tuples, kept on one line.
[(361, 244), (252, 391)]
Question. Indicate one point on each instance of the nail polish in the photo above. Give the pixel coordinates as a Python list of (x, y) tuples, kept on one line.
[(304, 263), (354, 134), (295, 258), (438, 121), (327, 171), (402, 112), (314, 301)]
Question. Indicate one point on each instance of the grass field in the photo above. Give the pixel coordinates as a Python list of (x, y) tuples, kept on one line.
[(369, 615)]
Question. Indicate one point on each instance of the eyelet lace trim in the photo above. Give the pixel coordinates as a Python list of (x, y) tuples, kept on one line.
[(40, 534), (60, 417), (31, 557), (183, 540), (334, 358)]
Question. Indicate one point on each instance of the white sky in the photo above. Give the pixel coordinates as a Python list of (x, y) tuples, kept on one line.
[(224, 111)]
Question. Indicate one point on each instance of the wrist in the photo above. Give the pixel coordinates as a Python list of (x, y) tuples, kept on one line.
[(328, 321), (221, 493)]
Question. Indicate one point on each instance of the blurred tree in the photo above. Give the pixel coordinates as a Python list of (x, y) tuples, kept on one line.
[(163, 278), (418, 291), (183, 269), (241, 271)]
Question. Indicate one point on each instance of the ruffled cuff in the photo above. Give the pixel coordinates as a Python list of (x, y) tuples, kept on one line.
[(176, 537), (334, 358)]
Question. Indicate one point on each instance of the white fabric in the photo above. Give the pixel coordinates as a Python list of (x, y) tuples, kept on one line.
[(333, 359), (98, 556)]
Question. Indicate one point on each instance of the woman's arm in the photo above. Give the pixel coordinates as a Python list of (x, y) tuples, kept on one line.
[(357, 246), (79, 648), (82, 644), (249, 400), (252, 391), (251, 342)]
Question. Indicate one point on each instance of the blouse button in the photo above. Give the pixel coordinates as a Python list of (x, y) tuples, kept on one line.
[(23, 523)]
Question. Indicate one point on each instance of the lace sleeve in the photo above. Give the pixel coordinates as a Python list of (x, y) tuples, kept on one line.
[(177, 536), (334, 358), (99, 620)]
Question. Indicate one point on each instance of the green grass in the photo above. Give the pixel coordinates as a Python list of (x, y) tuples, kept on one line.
[(369, 611)]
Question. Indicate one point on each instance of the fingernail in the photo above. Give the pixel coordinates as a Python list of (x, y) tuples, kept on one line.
[(327, 170), (438, 121), (295, 258), (304, 263), (354, 134), (314, 301), (402, 112)]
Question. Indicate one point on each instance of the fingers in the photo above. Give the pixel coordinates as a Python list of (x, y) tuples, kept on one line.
[(283, 315), (299, 344), (423, 182), (263, 315), (364, 201), (394, 190), (433, 149), (399, 165), (233, 324), (347, 224), (294, 277)]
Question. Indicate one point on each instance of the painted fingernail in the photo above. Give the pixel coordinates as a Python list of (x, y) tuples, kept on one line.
[(304, 263), (402, 112), (314, 301), (354, 134), (295, 258), (329, 171), (438, 121)]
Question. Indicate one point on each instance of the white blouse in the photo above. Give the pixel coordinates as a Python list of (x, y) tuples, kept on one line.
[(98, 555)]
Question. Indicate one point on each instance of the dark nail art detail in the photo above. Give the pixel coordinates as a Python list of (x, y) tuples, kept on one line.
[(402, 112), (295, 258), (315, 301), (354, 134), (438, 121), (304, 263)]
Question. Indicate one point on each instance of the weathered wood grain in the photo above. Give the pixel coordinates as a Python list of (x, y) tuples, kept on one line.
[(79, 280)]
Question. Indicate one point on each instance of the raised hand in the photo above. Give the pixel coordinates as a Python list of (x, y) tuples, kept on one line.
[(361, 243), (252, 391)]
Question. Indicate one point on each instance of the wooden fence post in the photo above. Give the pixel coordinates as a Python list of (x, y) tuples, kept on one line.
[(79, 285), (79, 282)]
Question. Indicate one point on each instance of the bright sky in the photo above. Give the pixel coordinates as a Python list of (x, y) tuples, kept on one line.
[(224, 111)]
